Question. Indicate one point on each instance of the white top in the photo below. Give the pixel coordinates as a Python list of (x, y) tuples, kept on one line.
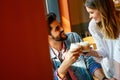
[(106, 47)]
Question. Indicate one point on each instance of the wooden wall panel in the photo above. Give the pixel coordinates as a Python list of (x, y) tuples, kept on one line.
[(24, 53), (78, 12)]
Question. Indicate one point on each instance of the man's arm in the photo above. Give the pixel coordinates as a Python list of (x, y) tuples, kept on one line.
[(70, 57)]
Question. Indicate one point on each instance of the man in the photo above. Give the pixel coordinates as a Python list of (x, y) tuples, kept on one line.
[(73, 65)]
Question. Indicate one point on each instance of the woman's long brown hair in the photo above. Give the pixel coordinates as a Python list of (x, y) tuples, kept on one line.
[(110, 23)]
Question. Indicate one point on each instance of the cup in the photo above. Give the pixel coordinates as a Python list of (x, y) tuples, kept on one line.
[(85, 47), (73, 46)]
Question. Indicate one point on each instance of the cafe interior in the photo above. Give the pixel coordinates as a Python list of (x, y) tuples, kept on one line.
[(24, 52), (74, 17)]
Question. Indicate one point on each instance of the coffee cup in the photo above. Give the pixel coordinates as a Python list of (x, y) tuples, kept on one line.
[(85, 47), (74, 46)]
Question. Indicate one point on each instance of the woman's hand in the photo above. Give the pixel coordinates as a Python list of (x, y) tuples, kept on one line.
[(93, 53)]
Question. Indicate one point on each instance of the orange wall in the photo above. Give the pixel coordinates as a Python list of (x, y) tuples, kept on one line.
[(64, 14), (72, 13), (24, 53)]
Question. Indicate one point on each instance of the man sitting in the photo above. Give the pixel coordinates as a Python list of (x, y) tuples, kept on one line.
[(72, 65)]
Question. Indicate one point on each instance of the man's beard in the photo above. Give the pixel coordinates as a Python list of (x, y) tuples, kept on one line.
[(61, 37)]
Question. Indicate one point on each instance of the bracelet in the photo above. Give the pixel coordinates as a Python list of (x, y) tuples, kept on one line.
[(104, 78)]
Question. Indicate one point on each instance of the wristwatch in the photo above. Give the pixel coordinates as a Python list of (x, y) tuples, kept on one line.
[(104, 78)]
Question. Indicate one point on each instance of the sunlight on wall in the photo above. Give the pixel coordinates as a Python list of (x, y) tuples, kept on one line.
[(66, 24)]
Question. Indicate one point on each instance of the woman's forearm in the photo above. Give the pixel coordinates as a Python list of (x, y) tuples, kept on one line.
[(95, 54)]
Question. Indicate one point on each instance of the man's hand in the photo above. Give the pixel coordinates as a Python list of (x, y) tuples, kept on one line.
[(73, 54), (70, 57)]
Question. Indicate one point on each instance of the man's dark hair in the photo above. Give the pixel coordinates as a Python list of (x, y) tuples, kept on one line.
[(50, 18)]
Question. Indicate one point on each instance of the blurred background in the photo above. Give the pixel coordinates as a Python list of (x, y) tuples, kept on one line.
[(72, 14)]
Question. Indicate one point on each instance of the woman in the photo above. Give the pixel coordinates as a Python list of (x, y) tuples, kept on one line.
[(105, 29)]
